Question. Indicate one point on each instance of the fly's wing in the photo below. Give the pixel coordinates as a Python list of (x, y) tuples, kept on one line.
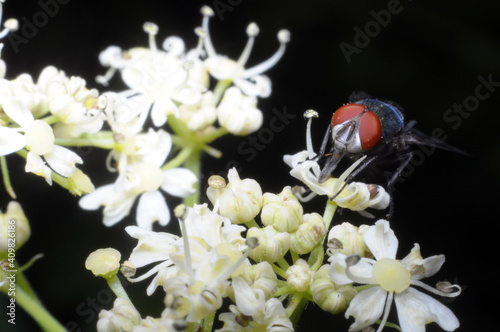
[(412, 136)]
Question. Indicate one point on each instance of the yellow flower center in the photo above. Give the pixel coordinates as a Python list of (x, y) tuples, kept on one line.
[(391, 275)]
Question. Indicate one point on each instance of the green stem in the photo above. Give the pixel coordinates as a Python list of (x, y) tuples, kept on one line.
[(330, 209), (117, 287), (212, 136), (220, 88), (36, 310), (102, 140), (6, 177), (51, 119), (178, 160), (208, 322), (295, 307), (193, 163)]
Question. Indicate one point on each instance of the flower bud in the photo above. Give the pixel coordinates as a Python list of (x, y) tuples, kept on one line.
[(123, 317), (359, 196), (13, 225), (240, 200), (259, 276), (103, 262), (282, 211), (329, 296), (273, 245), (239, 113), (351, 238), (299, 276), (199, 116), (80, 183), (309, 234)]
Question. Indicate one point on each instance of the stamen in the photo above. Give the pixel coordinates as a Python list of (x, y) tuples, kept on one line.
[(446, 293), (252, 243), (344, 175), (252, 32), (10, 25), (216, 182), (202, 34), (181, 213), (299, 191), (104, 79), (284, 38), (309, 115), (207, 12), (387, 309), (151, 29), (350, 261)]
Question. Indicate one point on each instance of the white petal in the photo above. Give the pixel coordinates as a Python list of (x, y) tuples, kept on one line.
[(161, 109), (415, 309), (62, 160), (248, 300), (367, 307), (179, 182), (422, 268), (36, 165), (97, 198), (257, 86), (10, 141), (151, 247), (381, 241), (18, 111), (152, 207)]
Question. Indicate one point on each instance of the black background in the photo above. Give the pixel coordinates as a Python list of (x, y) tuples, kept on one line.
[(427, 58)]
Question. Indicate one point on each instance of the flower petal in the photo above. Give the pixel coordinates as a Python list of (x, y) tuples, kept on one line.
[(152, 207), (381, 241), (415, 309), (62, 160), (17, 111), (179, 182), (10, 141), (367, 307)]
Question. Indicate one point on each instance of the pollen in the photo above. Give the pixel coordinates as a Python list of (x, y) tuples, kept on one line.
[(391, 275)]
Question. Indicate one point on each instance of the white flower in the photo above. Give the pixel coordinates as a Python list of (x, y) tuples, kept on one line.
[(39, 138), (270, 317), (140, 180), (164, 78), (140, 175), (68, 98), (249, 80), (392, 279)]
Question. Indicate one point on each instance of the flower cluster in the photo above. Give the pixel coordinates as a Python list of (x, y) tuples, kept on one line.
[(258, 252)]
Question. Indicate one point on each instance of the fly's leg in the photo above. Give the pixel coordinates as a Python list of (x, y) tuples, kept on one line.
[(392, 180), (351, 176)]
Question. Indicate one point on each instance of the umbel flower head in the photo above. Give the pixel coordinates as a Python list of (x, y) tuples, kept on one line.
[(392, 279)]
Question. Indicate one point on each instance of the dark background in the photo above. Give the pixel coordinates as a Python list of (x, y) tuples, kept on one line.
[(427, 58)]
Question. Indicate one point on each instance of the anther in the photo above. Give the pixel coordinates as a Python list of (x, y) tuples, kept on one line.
[(216, 182), (310, 113), (335, 243)]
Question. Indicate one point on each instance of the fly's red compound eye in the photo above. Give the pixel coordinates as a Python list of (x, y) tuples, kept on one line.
[(370, 130), (346, 112)]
